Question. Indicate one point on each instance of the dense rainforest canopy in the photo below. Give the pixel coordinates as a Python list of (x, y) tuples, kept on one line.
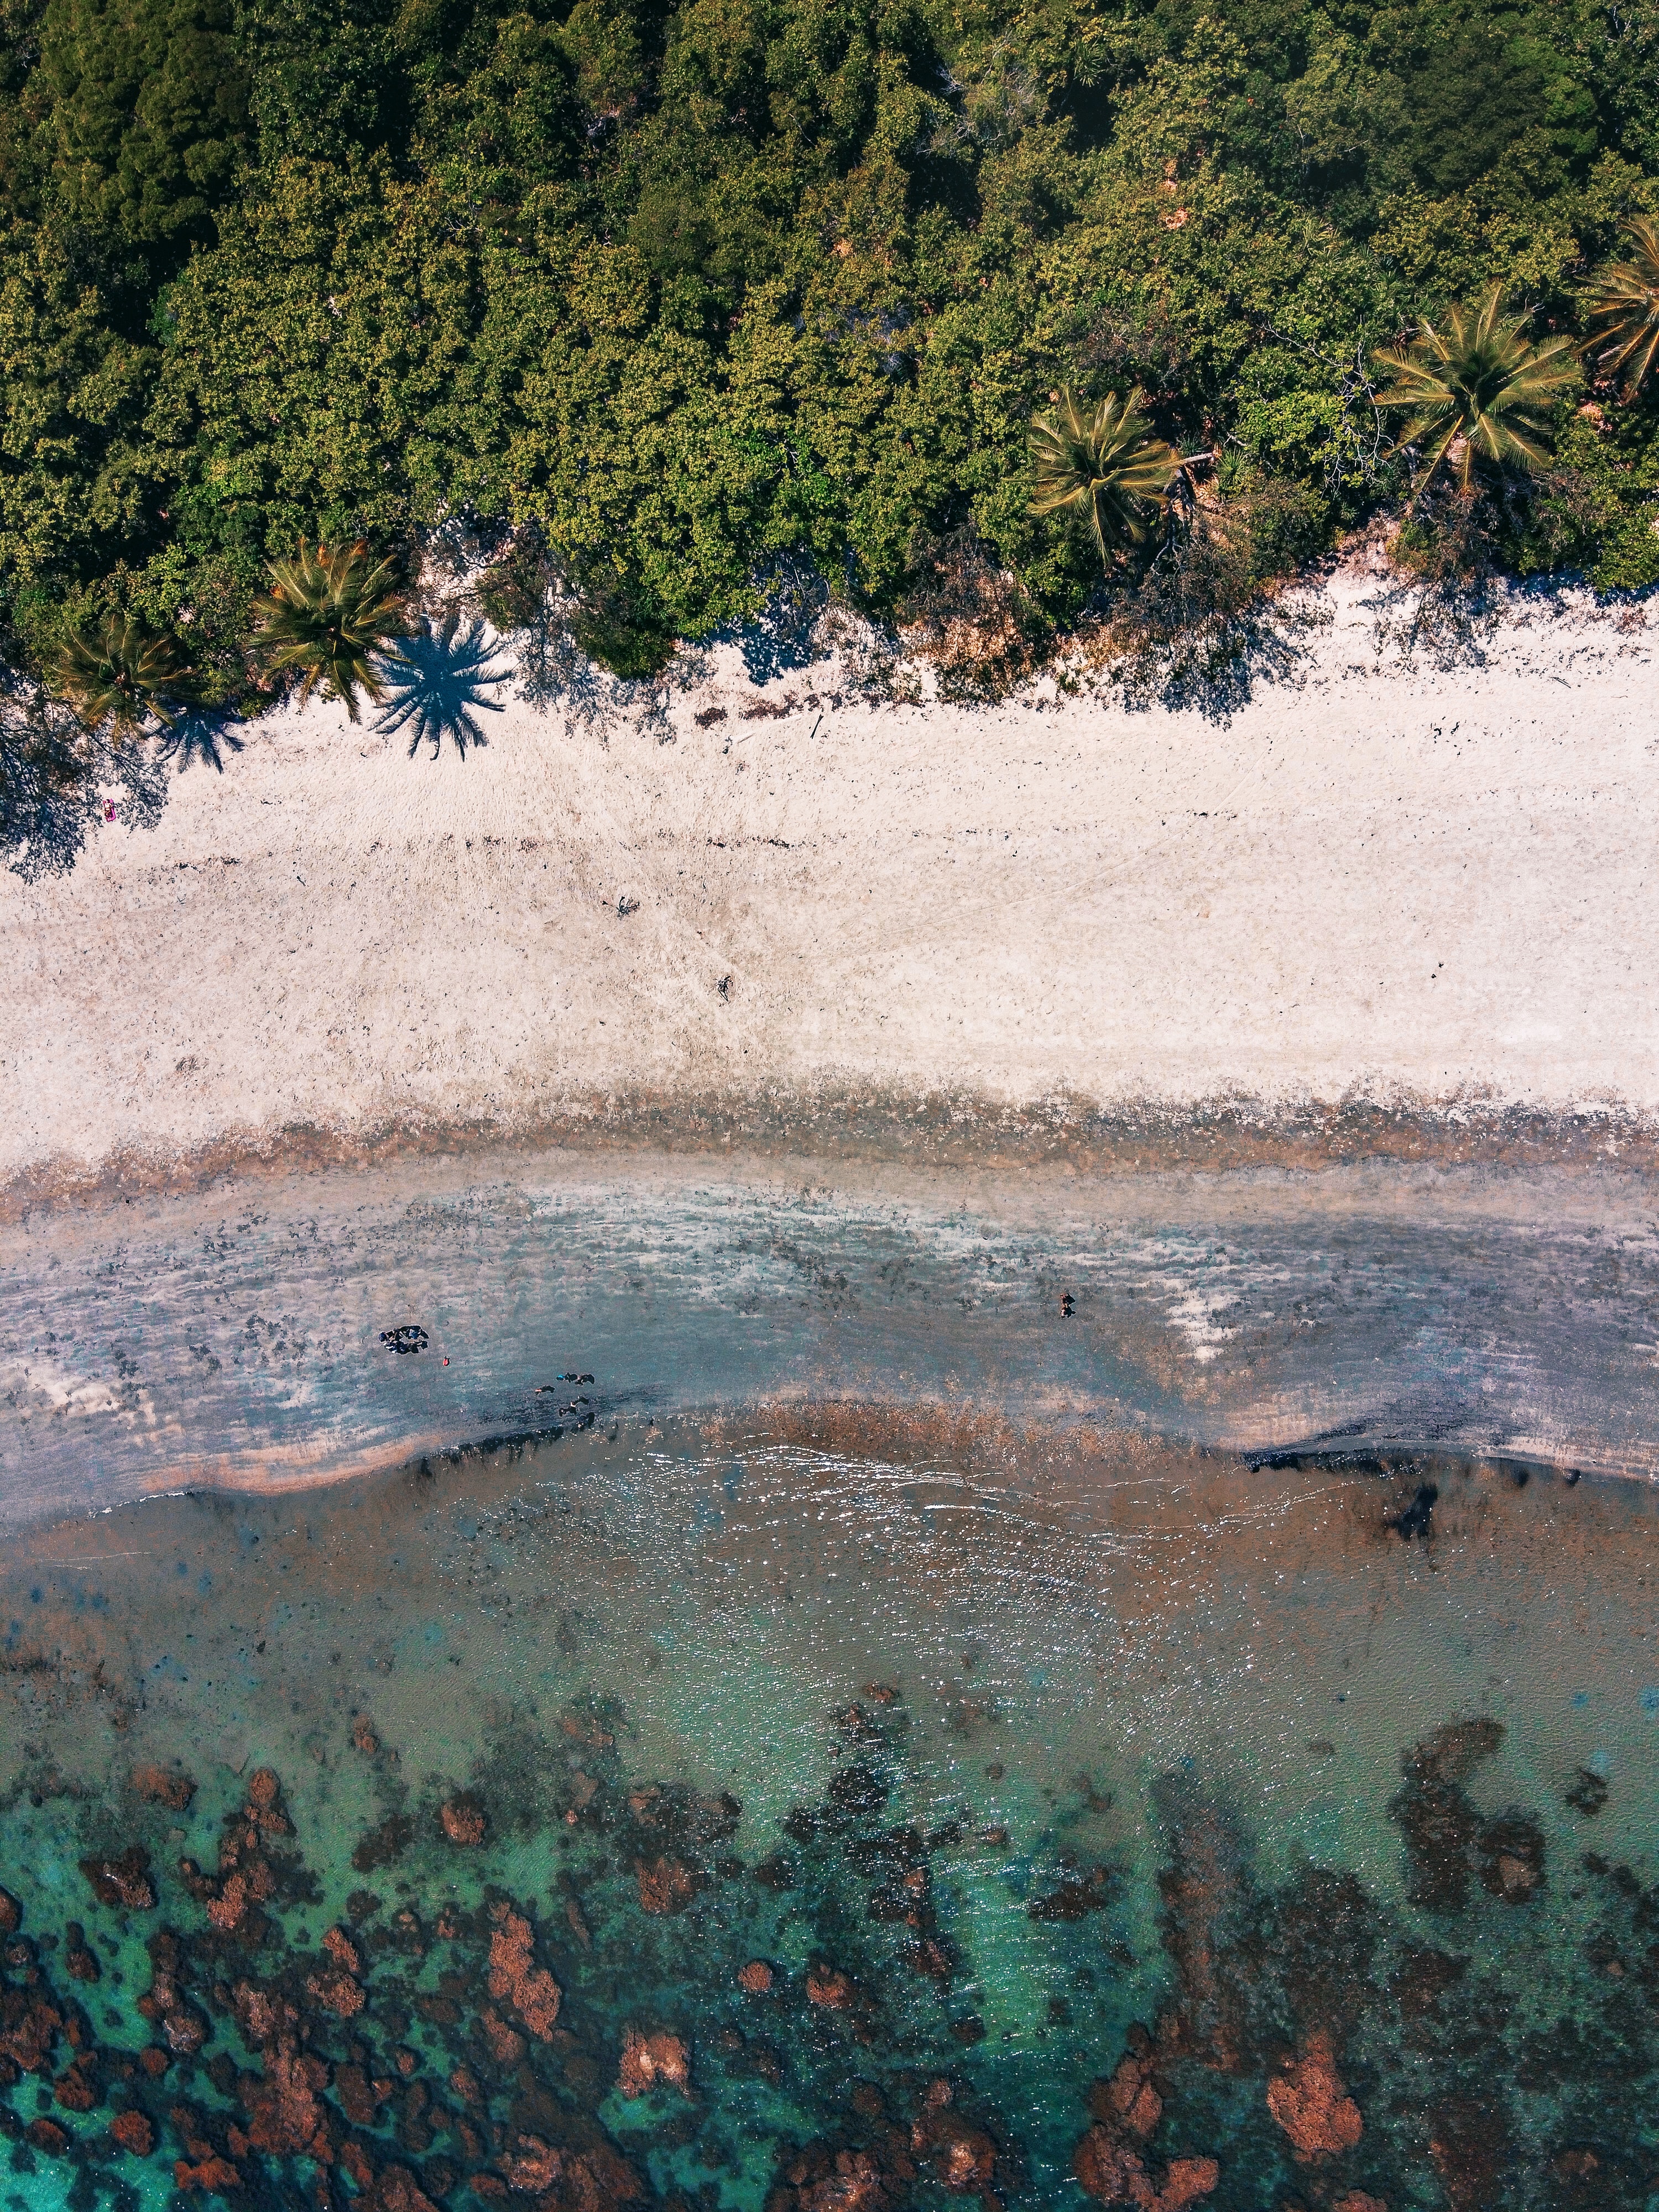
[(675, 294)]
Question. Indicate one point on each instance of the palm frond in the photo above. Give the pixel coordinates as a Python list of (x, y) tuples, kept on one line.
[(1479, 384), (1626, 308), (122, 673), (1107, 462), (328, 611)]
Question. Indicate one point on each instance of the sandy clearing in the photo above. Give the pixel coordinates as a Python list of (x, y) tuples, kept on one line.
[(1369, 881)]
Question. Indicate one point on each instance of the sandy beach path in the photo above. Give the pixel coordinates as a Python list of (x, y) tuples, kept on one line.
[(1368, 879)]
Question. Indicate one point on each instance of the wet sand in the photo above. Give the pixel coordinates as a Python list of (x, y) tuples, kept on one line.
[(233, 1335)]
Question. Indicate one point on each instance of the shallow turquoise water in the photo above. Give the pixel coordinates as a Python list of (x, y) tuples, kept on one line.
[(1003, 1747)]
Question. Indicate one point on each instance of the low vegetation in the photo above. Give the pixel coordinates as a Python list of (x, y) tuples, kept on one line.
[(994, 317)]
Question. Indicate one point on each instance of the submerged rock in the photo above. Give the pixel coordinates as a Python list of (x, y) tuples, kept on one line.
[(123, 1880), (514, 1978), (1311, 2104), (163, 1785), (648, 2060)]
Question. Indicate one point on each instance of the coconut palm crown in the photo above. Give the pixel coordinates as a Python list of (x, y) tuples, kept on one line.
[(1477, 390), (122, 673), (1107, 462), (328, 611), (1626, 307)]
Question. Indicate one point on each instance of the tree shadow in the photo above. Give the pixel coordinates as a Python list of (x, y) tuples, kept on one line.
[(196, 733), (60, 783), (779, 639), (435, 682)]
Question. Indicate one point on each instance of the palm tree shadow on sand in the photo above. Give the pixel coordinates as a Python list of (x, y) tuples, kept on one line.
[(434, 684), (196, 733)]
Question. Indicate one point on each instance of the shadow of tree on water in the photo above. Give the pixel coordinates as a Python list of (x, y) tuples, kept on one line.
[(435, 682)]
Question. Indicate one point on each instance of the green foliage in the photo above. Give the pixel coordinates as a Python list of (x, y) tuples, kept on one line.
[(123, 674), (1624, 313), (329, 611), (1106, 464), (1478, 390), (670, 289), (147, 118)]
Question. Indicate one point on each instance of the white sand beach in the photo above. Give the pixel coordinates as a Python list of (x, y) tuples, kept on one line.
[(1369, 881)]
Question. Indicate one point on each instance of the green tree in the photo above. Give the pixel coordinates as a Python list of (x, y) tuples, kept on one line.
[(1477, 390), (149, 113), (1110, 465), (1626, 308), (122, 673), (328, 611)]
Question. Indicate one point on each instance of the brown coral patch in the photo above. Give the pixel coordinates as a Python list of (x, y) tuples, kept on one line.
[(829, 1986), (647, 2060), (336, 1993), (284, 2117), (225, 1912), (397, 2191), (343, 1952), (1311, 2105), (80, 1959), (163, 1785), (215, 2175), (532, 2167), (29, 2026), (856, 2185), (132, 2131), (962, 2157), (47, 2135), (76, 2091), (462, 1820), (505, 2045), (756, 1978), (514, 1978), (666, 1886), (122, 1880), (1110, 2162)]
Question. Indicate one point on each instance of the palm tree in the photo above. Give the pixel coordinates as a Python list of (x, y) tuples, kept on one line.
[(328, 610), (122, 673), (1627, 308), (1477, 390), (1109, 462)]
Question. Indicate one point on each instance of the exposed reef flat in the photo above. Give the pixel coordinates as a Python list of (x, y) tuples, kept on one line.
[(243, 1334)]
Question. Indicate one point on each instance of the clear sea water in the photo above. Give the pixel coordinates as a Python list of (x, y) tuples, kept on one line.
[(1007, 1754)]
